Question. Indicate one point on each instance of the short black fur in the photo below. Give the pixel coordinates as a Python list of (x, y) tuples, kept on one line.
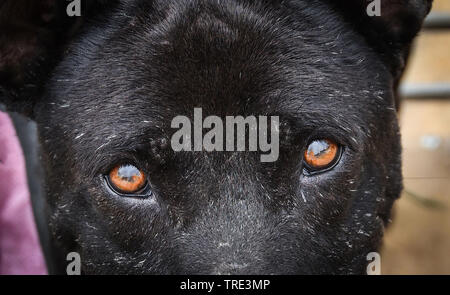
[(127, 68)]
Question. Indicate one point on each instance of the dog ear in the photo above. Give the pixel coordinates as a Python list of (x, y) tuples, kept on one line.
[(33, 35), (389, 26)]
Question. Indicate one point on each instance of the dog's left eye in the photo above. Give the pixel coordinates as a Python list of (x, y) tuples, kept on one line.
[(321, 155), (127, 180)]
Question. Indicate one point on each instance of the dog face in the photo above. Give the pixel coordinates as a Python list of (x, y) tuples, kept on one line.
[(128, 203)]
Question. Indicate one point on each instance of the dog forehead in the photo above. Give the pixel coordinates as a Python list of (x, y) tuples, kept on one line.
[(238, 66)]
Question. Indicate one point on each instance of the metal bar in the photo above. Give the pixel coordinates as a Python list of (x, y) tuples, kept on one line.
[(437, 20), (431, 90)]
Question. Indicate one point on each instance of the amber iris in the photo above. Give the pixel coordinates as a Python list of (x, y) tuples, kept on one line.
[(321, 154), (127, 179)]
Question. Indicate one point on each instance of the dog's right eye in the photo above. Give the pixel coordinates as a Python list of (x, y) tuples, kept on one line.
[(321, 155), (128, 180)]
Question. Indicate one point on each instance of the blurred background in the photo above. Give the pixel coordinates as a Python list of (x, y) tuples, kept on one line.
[(418, 240)]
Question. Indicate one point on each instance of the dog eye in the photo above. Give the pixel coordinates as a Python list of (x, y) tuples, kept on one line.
[(127, 179), (321, 155)]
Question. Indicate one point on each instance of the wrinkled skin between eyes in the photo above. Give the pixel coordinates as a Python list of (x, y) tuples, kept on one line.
[(110, 101)]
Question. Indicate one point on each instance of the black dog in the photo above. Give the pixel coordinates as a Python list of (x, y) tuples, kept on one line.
[(104, 88)]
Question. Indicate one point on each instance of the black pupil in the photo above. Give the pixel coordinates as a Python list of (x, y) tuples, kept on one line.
[(128, 172)]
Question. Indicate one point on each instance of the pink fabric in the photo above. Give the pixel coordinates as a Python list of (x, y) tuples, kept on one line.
[(20, 252)]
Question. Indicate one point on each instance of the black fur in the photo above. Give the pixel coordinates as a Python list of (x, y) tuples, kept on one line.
[(126, 69)]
